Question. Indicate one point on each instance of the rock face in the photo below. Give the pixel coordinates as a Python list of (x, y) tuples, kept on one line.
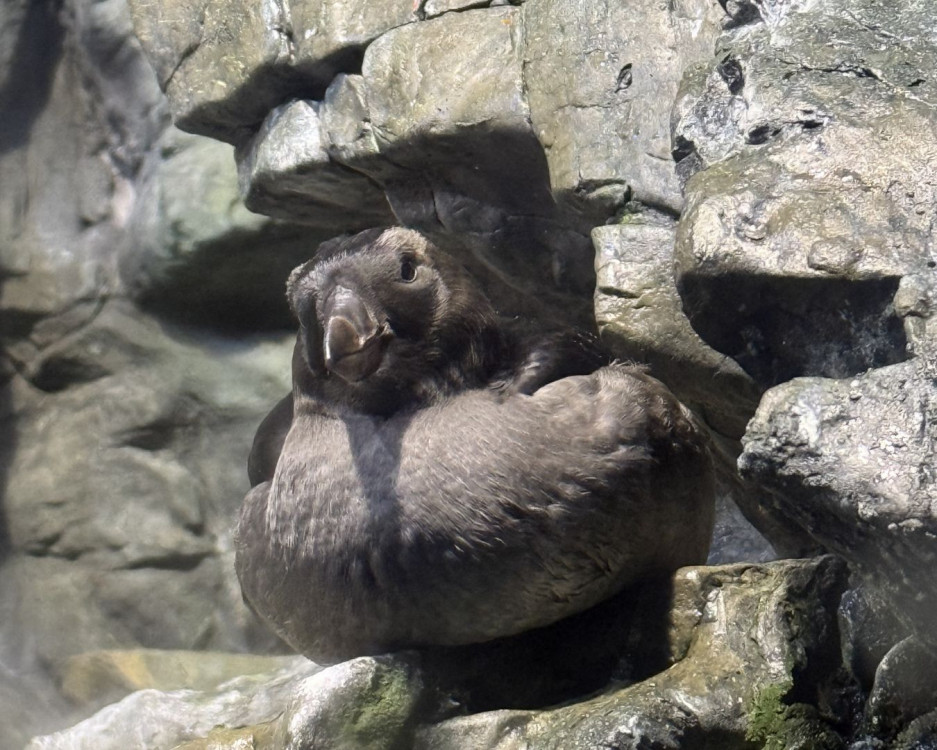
[(739, 193), (851, 461), (813, 202), (751, 655)]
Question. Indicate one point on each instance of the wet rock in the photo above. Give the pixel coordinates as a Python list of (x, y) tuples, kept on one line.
[(870, 629), (921, 734), (904, 689)]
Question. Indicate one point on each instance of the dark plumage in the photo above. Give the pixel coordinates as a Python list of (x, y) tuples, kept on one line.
[(428, 337), (439, 478)]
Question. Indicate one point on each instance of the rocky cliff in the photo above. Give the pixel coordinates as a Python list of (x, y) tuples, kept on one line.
[(740, 193)]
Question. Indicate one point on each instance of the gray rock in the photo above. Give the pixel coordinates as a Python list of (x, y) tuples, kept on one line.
[(805, 248), (209, 261), (601, 79), (704, 698), (921, 734), (447, 106), (850, 461), (28, 706), (286, 172), (735, 538), (438, 120), (98, 678), (365, 703), (347, 134), (78, 118), (331, 33), (224, 64), (811, 199), (870, 629), (905, 689), (734, 659), (432, 8), (413, 91), (747, 645), (125, 470), (803, 251), (12, 18)]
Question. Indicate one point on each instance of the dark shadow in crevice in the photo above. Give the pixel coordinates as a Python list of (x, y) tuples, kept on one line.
[(621, 641), (482, 194), (28, 81), (232, 286), (268, 87), (778, 328)]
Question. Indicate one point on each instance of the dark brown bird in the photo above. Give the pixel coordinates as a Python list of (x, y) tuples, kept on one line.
[(436, 478)]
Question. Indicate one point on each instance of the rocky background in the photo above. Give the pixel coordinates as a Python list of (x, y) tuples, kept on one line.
[(741, 193)]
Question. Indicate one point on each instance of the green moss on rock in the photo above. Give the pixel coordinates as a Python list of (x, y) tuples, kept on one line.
[(776, 725)]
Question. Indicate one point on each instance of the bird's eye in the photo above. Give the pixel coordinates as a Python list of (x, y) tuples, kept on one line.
[(407, 269)]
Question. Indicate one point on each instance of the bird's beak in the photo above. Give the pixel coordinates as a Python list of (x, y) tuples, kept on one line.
[(353, 343)]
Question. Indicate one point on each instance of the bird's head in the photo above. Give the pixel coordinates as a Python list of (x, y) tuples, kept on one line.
[(387, 318)]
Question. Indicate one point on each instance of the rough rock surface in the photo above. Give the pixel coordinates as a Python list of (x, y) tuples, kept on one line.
[(751, 654), (210, 262), (121, 463), (224, 64), (601, 79), (813, 192), (82, 540), (811, 202), (748, 665), (149, 719), (852, 462), (779, 155)]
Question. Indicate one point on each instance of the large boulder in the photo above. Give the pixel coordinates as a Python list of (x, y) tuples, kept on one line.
[(852, 462), (803, 249), (808, 186), (210, 262)]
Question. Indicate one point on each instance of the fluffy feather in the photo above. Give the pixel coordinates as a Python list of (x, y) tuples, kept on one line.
[(444, 481)]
